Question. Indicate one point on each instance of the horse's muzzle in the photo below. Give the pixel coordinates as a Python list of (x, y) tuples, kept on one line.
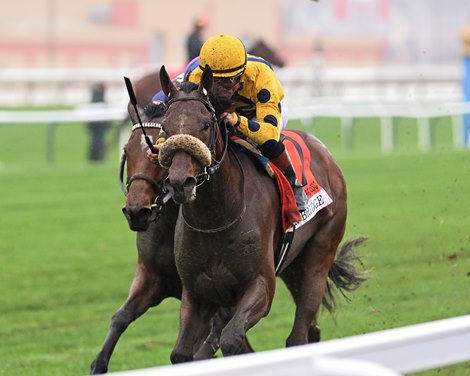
[(182, 192), (138, 217)]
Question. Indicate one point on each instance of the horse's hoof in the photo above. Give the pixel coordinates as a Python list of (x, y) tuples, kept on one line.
[(231, 345), (205, 352), (98, 368), (176, 358)]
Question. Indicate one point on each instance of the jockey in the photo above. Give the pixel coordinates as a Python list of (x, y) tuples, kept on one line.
[(250, 98)]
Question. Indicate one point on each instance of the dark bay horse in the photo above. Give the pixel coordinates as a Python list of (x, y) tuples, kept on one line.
[(156, 277), (229, 226), (261, 49)]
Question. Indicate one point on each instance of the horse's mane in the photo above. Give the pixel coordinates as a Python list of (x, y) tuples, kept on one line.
[(187, 87)]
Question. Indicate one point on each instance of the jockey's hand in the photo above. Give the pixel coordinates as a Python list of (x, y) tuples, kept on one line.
[(151, 156), (228, 118), (161, 139)]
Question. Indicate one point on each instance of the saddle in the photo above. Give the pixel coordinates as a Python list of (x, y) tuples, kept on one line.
[(300, 155)]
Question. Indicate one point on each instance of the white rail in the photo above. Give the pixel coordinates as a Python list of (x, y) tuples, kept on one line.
[(85, 113), (390, 352), (304, 109), (347, 111)]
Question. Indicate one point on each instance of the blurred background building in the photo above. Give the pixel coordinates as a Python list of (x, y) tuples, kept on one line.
[(53, 50), (136, 33)]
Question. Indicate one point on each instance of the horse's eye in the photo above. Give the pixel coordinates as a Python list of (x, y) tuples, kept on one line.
[(206, 125)]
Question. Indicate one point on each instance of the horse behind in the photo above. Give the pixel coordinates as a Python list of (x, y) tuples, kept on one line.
[(155, 276), (229, 226), (261, 49)]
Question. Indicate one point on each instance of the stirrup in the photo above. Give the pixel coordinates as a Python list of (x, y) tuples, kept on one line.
[(301, 198)]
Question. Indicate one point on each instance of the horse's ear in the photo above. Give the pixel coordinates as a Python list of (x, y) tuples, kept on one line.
[(206, 79), (133, 115), (168, 86)]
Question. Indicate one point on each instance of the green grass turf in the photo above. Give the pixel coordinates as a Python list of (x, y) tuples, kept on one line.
[(67, 257)]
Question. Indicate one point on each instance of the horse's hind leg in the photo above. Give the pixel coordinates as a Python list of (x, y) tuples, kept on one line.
[(306, 279), (146, 291)]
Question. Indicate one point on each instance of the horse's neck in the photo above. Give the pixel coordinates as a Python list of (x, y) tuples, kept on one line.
[(222, 198)]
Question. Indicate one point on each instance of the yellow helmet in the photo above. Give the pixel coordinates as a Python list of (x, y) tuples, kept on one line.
[(225, 54)]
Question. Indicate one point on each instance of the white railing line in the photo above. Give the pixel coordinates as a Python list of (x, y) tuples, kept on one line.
[(407, 349), (377, 109), (299, 109), (87, 113)]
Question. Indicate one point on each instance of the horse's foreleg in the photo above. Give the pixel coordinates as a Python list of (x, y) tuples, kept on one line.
[(195, 320), (146, 291), (211, 344), (253, 305)]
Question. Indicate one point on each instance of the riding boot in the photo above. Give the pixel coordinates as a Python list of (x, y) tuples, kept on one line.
[(284, 163)]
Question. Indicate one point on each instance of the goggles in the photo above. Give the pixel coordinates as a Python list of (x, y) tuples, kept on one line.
[(227, 81)]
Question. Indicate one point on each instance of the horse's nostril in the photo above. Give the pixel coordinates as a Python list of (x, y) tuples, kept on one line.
[(136, 212), (189, 183)]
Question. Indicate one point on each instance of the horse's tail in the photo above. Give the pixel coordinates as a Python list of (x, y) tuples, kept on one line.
[(343, 273)]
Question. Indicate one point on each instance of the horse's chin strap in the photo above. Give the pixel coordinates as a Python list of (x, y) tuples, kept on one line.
[(213, 169)]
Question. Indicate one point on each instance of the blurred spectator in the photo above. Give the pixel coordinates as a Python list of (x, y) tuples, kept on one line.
[(97, 129), (195, 40)]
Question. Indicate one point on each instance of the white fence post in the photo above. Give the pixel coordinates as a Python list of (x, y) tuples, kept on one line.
[(387, 134), (424, 133)]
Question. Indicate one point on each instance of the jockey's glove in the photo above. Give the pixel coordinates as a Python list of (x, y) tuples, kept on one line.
[(237, 122), (161, 138)]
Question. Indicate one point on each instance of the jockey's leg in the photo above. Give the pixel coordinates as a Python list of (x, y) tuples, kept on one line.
[(284, 163)]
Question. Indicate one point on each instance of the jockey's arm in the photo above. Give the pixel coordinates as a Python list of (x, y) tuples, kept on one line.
[(267, 124)]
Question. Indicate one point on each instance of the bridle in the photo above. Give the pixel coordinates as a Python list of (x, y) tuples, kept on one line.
[(162, 195), (214, 129)]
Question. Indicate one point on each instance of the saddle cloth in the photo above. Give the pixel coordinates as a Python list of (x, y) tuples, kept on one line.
[(299, 153)]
